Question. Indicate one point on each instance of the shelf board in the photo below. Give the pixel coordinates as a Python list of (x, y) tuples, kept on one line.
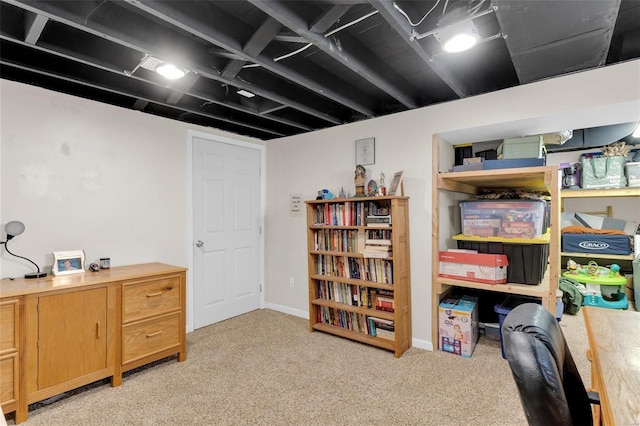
[(597, 193), (533, 178), (539, 290), (352, 281), (597, 255), (544, 239), (357, 309), (355, 335)]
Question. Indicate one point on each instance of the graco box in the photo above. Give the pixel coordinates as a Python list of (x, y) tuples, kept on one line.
[(632, 171), (504, 218), (458, 325)]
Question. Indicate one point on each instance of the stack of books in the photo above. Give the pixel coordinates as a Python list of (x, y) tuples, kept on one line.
[(382, 328), (383, 300), (379, 221), (380, 248)]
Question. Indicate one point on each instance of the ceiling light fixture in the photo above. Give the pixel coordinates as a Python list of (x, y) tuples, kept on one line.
[(458, 37), (170, 71), (245, 93), (636, 132)]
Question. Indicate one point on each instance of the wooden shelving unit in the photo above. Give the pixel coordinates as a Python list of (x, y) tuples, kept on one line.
[(345, 281), (452, 187), (598, 193)]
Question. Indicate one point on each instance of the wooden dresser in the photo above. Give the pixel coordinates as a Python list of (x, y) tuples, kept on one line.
[(60, 333)]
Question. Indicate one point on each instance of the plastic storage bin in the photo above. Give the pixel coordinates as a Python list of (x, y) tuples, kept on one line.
[(504, 218), (633, 174), (511, 302)]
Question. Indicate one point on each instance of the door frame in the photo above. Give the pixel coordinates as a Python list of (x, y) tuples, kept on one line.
[(191, 135)]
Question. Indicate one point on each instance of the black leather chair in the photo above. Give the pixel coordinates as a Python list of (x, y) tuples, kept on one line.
[(550, 387)]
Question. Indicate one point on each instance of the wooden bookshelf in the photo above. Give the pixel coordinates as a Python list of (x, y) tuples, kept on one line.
[(349, 270)]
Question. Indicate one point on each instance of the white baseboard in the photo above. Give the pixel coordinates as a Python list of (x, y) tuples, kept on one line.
[(287, 310), (422, 344)]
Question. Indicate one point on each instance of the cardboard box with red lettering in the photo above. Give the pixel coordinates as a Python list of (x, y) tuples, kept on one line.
[(477, 267)]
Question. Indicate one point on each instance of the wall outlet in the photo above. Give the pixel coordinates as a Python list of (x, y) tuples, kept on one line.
[(292, 282)]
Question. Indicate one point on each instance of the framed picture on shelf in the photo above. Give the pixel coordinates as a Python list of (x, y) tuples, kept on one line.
[(366, 151), (396, 185), (68, 262)]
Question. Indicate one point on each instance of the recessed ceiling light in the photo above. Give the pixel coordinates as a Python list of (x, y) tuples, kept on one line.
[(246, 94), (170, 71)]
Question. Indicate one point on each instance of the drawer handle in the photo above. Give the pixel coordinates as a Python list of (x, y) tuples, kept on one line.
[(157, 333), (169, 288), (155, 294), (98, 330)]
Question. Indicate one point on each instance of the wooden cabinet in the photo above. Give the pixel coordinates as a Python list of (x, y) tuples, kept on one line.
[(72, 336), (360, 288), (9, 352), (451, 188), (59, 333)]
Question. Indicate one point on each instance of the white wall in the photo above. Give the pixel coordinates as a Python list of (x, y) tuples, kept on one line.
[(326, 159), (113, 182), (91, 176)]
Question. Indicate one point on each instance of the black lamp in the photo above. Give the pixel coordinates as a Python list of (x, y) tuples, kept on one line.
[(13, 229)]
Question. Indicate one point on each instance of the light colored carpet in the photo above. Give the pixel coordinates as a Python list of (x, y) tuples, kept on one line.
[(265, 368)]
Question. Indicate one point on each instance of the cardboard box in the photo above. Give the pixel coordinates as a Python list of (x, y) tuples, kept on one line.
[(458, 325), (477, 267), (526, 147)]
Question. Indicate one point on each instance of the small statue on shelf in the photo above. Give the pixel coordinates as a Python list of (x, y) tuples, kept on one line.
[(382, 190), (359, 179)]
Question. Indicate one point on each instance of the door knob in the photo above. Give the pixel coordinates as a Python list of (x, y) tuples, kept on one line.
[(199, 243)]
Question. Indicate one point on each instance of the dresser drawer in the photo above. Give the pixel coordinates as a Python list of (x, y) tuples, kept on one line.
[(9, 382), (8, 325), (147, 337), (146, 298)]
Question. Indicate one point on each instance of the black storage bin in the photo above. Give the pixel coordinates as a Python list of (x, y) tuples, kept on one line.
[(527, 262)]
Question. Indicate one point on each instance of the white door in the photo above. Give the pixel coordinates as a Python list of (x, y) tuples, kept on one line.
[(226, 230)]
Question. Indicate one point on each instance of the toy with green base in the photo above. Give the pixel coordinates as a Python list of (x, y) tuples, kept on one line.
[(605, 286)]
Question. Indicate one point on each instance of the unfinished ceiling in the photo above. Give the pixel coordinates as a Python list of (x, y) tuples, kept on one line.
[(310, 64)]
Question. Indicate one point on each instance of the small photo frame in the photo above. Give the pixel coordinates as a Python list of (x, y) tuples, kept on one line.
[(396, 185), (68, 262), (366, 151)]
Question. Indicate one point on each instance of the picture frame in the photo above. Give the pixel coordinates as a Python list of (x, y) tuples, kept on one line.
[(366, 151), (396, 187), (68, 262)]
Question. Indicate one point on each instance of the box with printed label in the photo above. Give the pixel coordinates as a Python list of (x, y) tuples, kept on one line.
[(478, 267), (458, 325)]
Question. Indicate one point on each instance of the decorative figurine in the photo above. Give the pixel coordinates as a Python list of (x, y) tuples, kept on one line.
[(572, 267), (382, 190), (359, 179)]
